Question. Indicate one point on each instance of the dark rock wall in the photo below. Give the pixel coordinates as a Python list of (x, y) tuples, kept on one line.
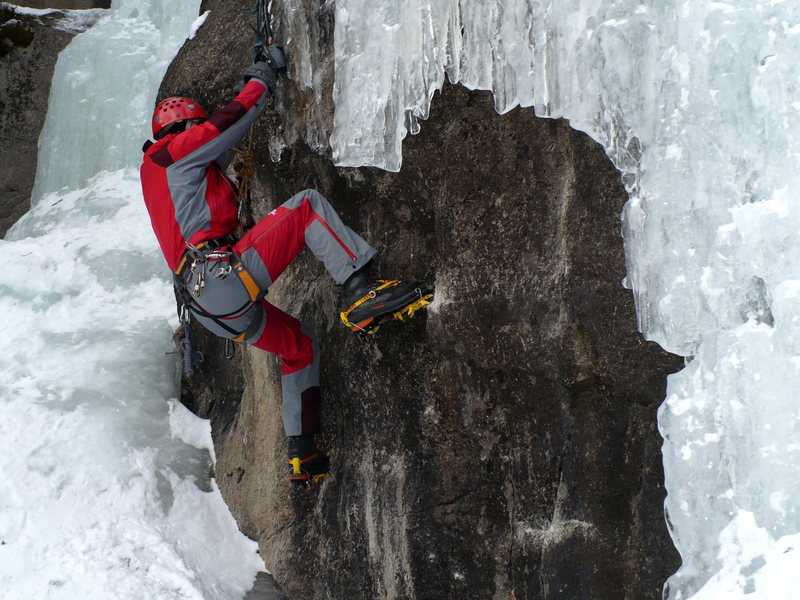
[(28, 53), (504, 444)]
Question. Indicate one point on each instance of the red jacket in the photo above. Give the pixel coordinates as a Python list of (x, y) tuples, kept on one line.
[(188, 195)]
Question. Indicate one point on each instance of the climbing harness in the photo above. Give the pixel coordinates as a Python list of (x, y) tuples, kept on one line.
[(372, 325), (195, 279)]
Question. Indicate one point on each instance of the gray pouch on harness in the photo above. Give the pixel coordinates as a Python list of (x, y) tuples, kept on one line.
[(218, 299)]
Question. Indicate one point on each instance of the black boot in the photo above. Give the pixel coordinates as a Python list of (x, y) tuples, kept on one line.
[(374, 302), (306, 463), (357, 285)]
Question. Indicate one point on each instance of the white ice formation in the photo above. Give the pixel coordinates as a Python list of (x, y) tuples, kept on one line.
[(697, 103)]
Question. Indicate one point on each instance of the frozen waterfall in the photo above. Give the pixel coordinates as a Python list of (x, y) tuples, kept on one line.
[(697, 104), (106, 487)]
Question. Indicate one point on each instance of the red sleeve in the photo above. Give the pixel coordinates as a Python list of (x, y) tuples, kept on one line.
[(227, 119)]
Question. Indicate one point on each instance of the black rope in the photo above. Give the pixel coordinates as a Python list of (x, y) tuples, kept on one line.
[(263, 29)]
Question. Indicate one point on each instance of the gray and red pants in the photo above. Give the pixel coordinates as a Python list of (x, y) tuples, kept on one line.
[(305, 220)]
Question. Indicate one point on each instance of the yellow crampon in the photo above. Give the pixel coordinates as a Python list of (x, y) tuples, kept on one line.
[(299, 477), (413, 307), (399, 315)]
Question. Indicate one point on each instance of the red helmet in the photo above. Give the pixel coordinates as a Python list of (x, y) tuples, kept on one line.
[(175, 109)]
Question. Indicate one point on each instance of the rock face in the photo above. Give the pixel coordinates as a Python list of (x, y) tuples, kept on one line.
[(504, 444), (28, 53)]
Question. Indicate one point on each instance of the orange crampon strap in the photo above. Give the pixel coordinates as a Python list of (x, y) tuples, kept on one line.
[(299, 462), (384, 284)]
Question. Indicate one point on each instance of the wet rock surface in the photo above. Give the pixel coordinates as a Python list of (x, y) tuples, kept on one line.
[(502, 445)]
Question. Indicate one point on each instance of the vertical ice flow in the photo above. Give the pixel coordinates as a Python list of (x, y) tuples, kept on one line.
[(105, 477), (103, 89), (697, 103)]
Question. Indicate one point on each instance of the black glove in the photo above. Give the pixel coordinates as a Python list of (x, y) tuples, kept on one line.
[(274, 56), (262, 71), (270, 62)]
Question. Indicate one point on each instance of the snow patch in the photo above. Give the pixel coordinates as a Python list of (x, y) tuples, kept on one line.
[(72, 21), (198, 23)]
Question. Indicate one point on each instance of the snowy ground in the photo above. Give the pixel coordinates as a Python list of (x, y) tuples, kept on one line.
[(105, 475)]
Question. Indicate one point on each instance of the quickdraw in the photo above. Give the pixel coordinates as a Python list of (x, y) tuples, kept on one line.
[(201, 254), (183, 340), (421, 302)]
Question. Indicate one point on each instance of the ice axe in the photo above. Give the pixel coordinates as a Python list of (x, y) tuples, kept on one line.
[(263, 30)]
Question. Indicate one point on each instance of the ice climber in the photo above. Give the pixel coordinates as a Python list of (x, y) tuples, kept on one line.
[(222, 280)]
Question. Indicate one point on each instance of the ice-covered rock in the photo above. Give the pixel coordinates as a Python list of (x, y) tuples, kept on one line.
[(696, 103), (502, 444)]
